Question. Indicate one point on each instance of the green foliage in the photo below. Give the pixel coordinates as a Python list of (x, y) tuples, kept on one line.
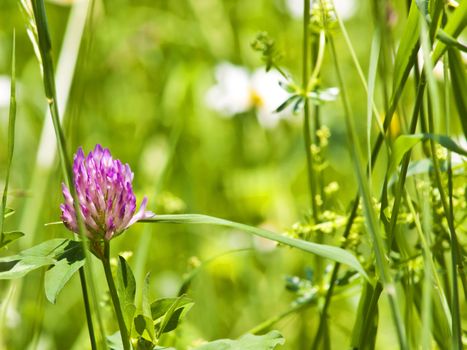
[(126, 289), (247, 342), (329, 252), (51, 252), (396, 212)]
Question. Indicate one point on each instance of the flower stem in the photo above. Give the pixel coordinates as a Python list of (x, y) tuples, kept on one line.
[(114, 297), (87, 308)]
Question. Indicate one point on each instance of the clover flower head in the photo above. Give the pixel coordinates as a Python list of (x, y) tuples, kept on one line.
[(103, 187)]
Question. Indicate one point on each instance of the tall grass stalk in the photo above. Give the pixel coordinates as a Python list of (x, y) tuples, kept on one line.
[(44, 50), (371, 221), (11, 143), (306, 108), (398, 87), (456, 260), (11, 137)]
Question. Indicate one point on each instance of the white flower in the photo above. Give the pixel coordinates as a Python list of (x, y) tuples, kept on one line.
[(238, 91), (438, 69), (345, 8), (456, 158), (4, 91)]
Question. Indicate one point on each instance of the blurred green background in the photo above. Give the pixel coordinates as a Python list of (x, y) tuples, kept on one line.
[(139, 88)]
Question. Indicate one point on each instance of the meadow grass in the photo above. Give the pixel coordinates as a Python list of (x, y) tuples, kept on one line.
[(354, 204)]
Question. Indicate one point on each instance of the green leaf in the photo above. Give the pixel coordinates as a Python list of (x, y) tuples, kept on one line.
[(145, 320), (408, 47), (459, 86), (44, 254), (441, 35), (325, 251), (10, 269), (455, 25), (8, 212), (287, 102), (126, 289), (58, 276), (404, 143), (114, 341), (9, 237), (170, 311), (248, 342)]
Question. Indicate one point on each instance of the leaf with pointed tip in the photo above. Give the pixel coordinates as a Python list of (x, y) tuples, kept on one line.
[(444, 37), (408, 48), (325, 251), (8, 212), (286, 103), (43, 254), (455, 25), (404, 143), (58, 276), (169, 311), (126, 290)]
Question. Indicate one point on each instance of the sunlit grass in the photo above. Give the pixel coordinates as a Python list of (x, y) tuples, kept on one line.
[(316, 172)]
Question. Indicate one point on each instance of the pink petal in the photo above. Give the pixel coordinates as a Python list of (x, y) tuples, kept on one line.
[(142, 213)]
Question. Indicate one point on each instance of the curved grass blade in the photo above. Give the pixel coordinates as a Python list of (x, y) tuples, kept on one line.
[(404, 143), (408, 47), (456, 24), (325, 251)]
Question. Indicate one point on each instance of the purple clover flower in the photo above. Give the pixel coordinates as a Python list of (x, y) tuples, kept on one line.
[(105, 195)]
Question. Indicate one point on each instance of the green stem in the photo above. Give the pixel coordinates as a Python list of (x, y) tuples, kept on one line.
[(45, 48), (264, 326), (114, 297), (11, 135), (373, 225), (87, 308), (306, 109), (405, 164), (456, 261), (319, 61)]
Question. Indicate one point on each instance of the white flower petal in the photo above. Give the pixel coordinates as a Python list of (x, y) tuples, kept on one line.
[(231, 94)]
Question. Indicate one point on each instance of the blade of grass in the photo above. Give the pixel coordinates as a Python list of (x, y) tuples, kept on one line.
[(11, 142), (358, 67), (45, 46), (396, 95), (371, 221), (325, 251), (455, 25), (456, 260), (11, 136), (372, 70)]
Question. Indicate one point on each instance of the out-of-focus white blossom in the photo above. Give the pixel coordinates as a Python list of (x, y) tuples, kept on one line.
[(456, 158), (438, 69), (4, 91), (238, 91), (345, 8)]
